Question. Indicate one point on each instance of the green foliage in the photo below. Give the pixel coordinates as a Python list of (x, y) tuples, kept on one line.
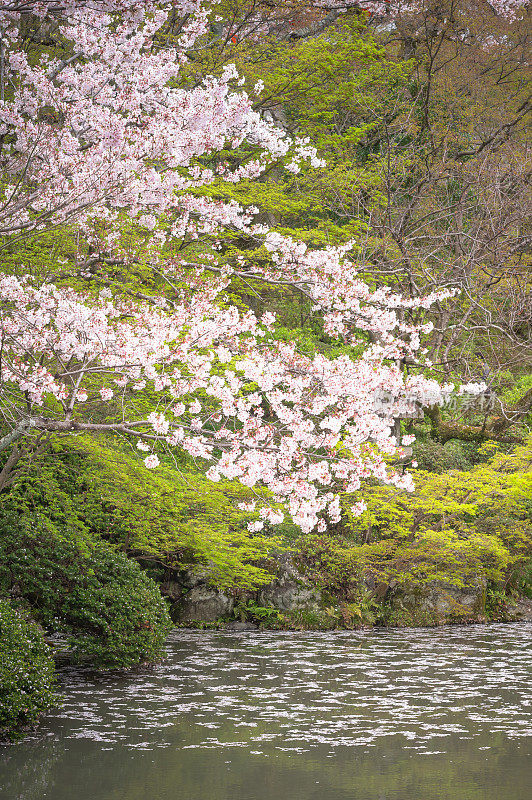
[(172, 517), (334, 563), (113, 612), (361, 609), (46, 256), (497, 604), (397, 616), (26, 672), (515, 387), (173, 513), (64, 524), (202, 625), (523, 581), (455, 528), (303, 619), (331, 88), (265, 616)]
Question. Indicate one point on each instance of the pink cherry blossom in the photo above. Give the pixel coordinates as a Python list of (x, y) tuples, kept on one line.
[(244, 405)]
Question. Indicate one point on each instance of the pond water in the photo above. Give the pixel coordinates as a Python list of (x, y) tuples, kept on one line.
[(371, 715)]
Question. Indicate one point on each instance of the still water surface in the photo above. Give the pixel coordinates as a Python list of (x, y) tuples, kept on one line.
[(374, 715)]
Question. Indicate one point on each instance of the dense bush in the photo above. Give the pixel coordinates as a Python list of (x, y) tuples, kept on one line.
[(26, 672), (112, 611)]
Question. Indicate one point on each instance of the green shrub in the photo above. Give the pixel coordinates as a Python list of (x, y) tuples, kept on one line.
[(456, 526), (434, 456), (265, 616), (26, 672), (498, 604), (112, 611)]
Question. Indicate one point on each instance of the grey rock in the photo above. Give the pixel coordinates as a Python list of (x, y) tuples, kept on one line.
[(203, 604), (290, 591), (196, 576), (520, 612), (385, 27), (444, 601), (184, 581), (172, 589)]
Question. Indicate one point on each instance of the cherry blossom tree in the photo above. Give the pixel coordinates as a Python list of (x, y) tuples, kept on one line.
[(115, 126)]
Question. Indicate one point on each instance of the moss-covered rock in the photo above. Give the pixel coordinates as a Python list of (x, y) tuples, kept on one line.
[(439, 602)]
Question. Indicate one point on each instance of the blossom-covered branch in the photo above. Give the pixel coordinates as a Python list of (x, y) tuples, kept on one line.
[(117, 126)]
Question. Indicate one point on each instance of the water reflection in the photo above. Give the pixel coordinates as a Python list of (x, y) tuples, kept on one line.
[(391, 715)]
